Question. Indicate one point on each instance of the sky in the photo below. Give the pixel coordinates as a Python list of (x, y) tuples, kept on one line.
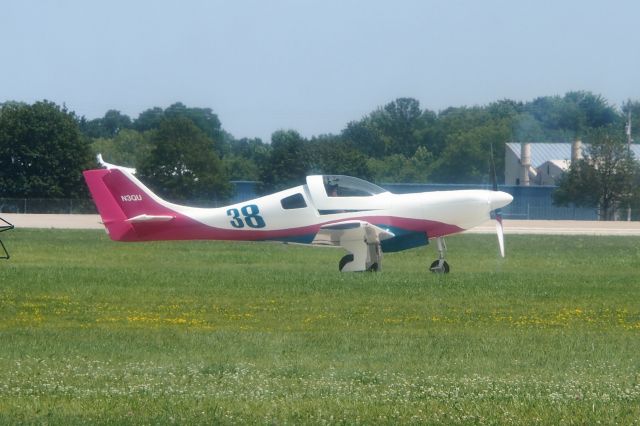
[(312, 66)]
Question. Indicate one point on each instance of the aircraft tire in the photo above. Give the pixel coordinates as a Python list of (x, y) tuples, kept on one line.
[(435, 269), (345, 259)]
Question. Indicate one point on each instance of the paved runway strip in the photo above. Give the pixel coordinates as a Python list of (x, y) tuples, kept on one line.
[(54, 221), (545, 227), (561, 227)]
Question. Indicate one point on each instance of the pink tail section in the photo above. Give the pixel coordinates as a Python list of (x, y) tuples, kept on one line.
[(127, 208)]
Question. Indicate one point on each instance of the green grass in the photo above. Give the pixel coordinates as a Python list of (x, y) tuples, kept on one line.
[(93, 331)]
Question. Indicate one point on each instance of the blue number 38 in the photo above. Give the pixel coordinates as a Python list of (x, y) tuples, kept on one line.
[(249, 215)]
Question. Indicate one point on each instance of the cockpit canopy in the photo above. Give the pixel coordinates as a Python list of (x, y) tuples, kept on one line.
[(347, 186), (339, 192)]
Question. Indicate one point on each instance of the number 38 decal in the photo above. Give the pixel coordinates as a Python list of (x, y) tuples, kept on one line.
[(248, 215)]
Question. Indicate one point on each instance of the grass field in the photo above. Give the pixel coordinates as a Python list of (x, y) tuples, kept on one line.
[(93, 331)]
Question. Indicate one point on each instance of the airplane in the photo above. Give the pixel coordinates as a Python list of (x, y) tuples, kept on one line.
[(329, 210)]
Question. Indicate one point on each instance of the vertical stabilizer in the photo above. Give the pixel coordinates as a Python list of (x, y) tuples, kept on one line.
[(123, 201)]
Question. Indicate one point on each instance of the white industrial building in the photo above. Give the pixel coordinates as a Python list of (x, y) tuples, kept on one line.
[(541, 163)]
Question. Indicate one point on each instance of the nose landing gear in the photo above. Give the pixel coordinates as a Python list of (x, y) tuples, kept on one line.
[(440, 266)]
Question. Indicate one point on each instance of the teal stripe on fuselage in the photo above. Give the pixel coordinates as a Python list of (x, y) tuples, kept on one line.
[(403, 239)]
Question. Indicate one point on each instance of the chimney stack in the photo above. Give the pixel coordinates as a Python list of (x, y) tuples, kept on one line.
[(525, 161), (576, 150)]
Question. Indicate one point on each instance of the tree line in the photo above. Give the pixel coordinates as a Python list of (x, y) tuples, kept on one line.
[(184, 152)]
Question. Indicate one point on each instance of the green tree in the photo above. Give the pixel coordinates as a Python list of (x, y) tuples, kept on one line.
[(593, 110), (106, 127), (204, 118), (399, 122), (468, 135), (241, 168), (363, 136), (606, 178), (41, 152), (329, 154), (287, 163), (127, 148), (571, 116), (254, 151), (149, 119), (559, 121), (250, 148), (398, 168), (399, 127), (525, 128), (182, 164), (114, 121)]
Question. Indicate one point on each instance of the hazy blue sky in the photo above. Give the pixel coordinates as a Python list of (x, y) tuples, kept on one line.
[(312, 66)]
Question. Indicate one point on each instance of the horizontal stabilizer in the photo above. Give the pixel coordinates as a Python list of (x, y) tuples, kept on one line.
[(110, 166), (150, 218)]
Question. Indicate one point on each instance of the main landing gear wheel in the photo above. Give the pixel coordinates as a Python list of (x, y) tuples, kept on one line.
[(345, 259), (438, 268), (349, 258)]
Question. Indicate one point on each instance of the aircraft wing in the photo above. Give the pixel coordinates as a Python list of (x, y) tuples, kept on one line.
[(347, 232)]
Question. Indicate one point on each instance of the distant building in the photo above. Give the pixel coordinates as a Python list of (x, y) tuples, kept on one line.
[(541, 163), (549, 171), (243, 190)]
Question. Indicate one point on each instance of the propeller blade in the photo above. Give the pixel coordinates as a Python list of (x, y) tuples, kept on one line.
[(499, 201), (500, 232)]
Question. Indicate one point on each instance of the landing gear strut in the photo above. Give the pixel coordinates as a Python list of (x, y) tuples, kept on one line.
[(369, 261), (440, 266)]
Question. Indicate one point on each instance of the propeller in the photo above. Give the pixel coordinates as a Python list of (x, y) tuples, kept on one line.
[(497, 213)]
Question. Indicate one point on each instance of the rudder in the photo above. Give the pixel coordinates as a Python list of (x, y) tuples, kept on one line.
[(121, 201)]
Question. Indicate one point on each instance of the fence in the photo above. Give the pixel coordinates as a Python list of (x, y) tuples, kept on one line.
[(529, 202), (242, 191), (47, 205)]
